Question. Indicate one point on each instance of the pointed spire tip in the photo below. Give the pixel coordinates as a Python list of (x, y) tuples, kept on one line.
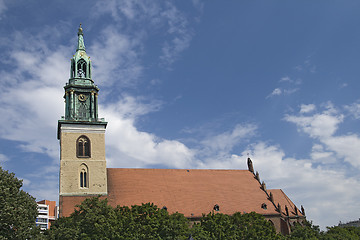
[(80, 32)]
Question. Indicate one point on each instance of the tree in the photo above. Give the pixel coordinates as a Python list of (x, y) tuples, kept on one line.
[(305, 231), (18, 210), (337, 233), (237, 226), (95, 219)]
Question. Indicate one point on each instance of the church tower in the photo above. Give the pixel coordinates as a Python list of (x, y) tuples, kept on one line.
[(81, 132)]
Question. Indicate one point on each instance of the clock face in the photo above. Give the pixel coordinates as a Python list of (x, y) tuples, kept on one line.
[(82, 98)]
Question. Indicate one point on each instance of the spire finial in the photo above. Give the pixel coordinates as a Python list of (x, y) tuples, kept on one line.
[(81, 45), (80, 32)]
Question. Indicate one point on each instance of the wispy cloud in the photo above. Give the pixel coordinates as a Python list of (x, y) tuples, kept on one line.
[(280, 91), (276, 92), (227, 140), (354, 109), (290, 80), (3, 8), (116, 59), (148, 18), (179, 33), (307, 108), (287, 86), (306, 66), (3, 158)]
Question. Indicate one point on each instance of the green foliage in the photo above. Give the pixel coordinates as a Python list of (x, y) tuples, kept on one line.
[(305, 231), (18, 210), (237, 226), (342, 233), (309, 231), (95, 219)]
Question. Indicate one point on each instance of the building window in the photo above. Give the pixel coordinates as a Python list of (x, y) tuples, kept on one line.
[(84, 176), (83, 147), (81, 68)]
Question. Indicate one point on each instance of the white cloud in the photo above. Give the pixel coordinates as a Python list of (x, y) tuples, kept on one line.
[(323, 126), (116, 60), (275, 92), (290, 80), (26, 182), (3, 158), (285, 79), (33, 95), (346, 146), (354, 109), (154, 16), (343, 85), (129, 147), (131, 107), (290, 91), (279, 91), (307, 108), (129, 10), (319, 154), (180, 34), (318, 125), (319, 189), (227, 140)]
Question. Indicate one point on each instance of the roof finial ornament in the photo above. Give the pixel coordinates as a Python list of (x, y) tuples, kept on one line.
[(250, 165), (80, 32), (257, 176), (279, 208), (302, 210), (263, 186), (81, 45), (271, 197)]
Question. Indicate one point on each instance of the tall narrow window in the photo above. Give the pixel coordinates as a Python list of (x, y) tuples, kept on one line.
[(83, 147), (81, 68), (84, 178), (81, 179)]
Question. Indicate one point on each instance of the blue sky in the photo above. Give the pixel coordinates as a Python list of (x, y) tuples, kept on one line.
[(194, 84)]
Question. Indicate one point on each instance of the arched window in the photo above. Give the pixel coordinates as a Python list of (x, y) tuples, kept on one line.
[(84, 176), (81, 68), (83, 147)]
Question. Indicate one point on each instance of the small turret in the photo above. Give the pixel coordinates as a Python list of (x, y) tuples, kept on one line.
[(263, 186), (250, 165), (286, 210), (271, 197), (257, 176), (279, 208), (302, 210)]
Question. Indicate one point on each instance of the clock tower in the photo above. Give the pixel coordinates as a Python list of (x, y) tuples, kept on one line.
[(81, 132)]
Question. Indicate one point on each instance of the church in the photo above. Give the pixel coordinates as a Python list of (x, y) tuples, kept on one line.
[(192, 192)]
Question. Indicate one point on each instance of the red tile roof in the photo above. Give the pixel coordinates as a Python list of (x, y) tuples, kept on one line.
[(281, 198), (192, 192)]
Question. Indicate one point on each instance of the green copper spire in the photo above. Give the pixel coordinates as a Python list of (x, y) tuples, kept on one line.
[(81, 92), (81, 45), (80, 63)]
